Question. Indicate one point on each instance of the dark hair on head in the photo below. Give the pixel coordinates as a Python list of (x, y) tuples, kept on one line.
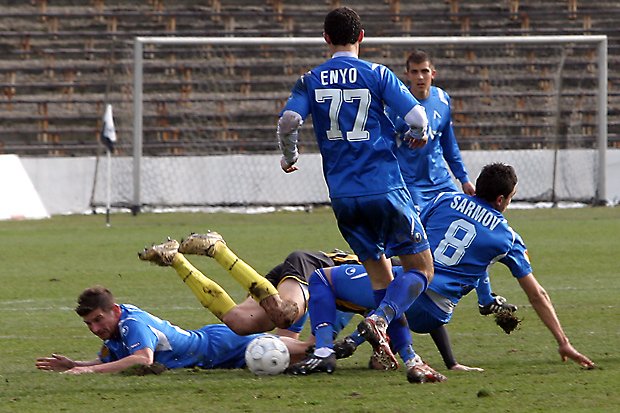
[(494, 180), (343, 26), (94, 298), (418, 56)]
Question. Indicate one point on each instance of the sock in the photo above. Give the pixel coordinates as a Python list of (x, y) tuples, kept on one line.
[(357, 338), (323, 334), (341, 321), (379, 296), (209, 293), (407, 354), (257, 285), (322, 307), (400, 338), (401, 293)]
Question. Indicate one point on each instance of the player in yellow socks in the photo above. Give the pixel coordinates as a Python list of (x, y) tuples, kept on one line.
[(282, 313), (246, 318)]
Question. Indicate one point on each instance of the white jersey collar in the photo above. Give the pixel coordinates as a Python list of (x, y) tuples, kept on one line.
[(344, 54)]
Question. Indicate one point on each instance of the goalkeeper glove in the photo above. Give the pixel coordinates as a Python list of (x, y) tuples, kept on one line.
[(498, 304), (416, 137)]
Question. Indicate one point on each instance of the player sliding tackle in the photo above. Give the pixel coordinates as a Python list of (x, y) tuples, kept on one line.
[(283, 313), (285, 286)]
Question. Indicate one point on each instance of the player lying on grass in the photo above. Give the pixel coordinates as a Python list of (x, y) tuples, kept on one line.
[(132, 336), (467, 234), (284, 288)]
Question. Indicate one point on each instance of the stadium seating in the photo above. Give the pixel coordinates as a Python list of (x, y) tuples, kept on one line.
[(63, 60)]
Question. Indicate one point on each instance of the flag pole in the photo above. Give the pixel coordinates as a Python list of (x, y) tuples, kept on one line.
[(108, 137), (108, 189)]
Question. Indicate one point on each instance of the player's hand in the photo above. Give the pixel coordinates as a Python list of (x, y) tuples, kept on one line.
[(416, 137), (469, 188), (80, 370), (567, 351), (499, 304), (461, 367), (55, 363), (287, 167)]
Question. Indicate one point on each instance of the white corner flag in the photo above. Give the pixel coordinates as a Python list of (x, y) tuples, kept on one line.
[(108, 132)]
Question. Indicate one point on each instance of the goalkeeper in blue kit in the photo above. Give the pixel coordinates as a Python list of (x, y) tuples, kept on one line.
[(346, 97), (467, 234)]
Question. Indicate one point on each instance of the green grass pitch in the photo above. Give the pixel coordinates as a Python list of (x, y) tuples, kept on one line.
[(47, 263)]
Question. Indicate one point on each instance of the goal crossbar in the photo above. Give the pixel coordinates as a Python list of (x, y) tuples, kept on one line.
[(599, 40)]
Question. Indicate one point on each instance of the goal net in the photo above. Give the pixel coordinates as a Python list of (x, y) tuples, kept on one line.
[(202, 114)]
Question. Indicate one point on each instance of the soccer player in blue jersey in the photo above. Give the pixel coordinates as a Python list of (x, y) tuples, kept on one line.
[(132, 336), (427, 170), (467, 235), (375, 213)]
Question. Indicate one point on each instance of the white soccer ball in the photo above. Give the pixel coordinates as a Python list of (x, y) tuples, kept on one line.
[(267, 355)]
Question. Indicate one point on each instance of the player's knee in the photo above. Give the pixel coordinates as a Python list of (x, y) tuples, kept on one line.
[(429, 272), (237, 324), (425, 265)]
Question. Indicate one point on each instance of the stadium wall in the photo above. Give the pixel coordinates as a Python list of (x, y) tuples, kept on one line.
[(65, 184)]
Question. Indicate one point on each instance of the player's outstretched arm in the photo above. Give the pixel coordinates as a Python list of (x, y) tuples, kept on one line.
[(143, 356), (544, 308), (64, 364), (60, 363)]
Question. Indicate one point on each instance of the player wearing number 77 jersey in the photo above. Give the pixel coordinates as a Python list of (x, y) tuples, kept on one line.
[(346, 97)]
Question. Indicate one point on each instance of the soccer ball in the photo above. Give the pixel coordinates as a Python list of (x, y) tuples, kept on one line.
[(267, 355)]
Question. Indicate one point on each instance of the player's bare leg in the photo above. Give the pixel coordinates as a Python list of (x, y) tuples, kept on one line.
[(283, 313), (249, 317)]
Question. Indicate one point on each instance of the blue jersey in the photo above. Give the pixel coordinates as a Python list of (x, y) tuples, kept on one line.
[(346, 97), (212, 346), (467, 235), (425, 170)]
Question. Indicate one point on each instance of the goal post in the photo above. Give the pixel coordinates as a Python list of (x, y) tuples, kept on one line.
[(532, 52)]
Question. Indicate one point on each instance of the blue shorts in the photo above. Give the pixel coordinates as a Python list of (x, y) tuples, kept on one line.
[(353, 293), (380, 224), (352, 289), (425, 316), (422, 196), (225, 349)]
